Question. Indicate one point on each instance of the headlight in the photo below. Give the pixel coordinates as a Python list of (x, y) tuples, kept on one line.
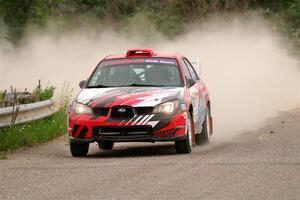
[(81, 109), (168, 107)]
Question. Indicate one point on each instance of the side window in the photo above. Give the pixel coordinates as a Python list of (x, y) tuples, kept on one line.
[(190, 67), (186, 71)]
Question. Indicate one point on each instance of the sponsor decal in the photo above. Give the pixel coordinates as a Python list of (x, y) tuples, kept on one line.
[(159, 61), (132, 61), (121, 61)]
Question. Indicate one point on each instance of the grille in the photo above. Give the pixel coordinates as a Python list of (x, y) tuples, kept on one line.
[(100, 111), (143, 110), (119, 131), (122, 112)]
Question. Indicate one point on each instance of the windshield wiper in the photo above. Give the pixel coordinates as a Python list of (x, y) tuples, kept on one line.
[(99, 86), (143, 85), (131, 85)]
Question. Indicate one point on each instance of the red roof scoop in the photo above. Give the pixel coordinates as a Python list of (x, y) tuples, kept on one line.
[(139, 53)]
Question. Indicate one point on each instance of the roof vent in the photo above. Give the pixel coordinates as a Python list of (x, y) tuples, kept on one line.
[(139, 53)]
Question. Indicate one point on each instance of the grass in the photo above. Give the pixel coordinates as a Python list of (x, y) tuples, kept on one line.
[(34, 132)]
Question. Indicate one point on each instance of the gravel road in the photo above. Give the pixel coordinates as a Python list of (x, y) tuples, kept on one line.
[(263, 164)]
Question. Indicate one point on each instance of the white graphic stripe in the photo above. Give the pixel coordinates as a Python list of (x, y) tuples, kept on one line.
[(147, 120), (130, 120), (153, 123), (142, 120), (137, 120), (121, 122)]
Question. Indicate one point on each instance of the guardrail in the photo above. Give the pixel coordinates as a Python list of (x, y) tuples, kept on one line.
[(27, 112)]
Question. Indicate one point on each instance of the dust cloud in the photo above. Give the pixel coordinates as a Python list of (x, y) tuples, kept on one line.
[(246, 65)]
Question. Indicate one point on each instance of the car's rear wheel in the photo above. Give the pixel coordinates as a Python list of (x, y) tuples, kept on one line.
[(106, 145), (203, 137), (79, 149), (185, 145)]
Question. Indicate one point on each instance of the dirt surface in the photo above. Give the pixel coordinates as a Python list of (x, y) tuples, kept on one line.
[(264, 164)]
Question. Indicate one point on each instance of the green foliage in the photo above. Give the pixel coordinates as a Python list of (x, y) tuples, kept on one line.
[(292, 18), (286, 17), (2, 94), (33, 132), (40, 94), (169, 16), (17, 14), (38, 12), (2, 9), (46, 93)]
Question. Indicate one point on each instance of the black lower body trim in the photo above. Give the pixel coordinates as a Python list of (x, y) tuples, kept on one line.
[(128, 138)]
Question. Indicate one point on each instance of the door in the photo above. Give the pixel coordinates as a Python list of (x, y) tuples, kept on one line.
[(194, 92), (199, 98)]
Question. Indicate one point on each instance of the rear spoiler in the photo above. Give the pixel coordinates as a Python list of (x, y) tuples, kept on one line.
[(197, 65)]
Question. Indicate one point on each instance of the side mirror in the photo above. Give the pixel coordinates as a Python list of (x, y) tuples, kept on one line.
[(82, 83), (190, 82)]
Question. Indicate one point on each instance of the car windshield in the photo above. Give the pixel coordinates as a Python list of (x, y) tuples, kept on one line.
[(157, 72)]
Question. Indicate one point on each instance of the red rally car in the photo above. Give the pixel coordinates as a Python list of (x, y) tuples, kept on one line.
[(141, 96)]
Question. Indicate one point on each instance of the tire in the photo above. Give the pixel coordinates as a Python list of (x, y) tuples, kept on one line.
[(203, 137), (106, 145), (79, 149), (185, 145)]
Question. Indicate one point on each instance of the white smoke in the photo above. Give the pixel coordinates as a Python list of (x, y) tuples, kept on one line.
[(246, 65)]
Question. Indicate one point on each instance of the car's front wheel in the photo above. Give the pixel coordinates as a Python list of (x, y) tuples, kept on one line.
[(106, 145), (185, 145), (79, 149)]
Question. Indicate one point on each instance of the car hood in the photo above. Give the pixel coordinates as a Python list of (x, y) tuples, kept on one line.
[(128, 96)]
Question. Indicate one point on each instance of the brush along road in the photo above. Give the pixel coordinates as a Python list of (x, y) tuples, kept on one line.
[(264, 164)]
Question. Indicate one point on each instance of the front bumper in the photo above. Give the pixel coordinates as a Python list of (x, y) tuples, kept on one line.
[(127, 139), (87, 129)]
